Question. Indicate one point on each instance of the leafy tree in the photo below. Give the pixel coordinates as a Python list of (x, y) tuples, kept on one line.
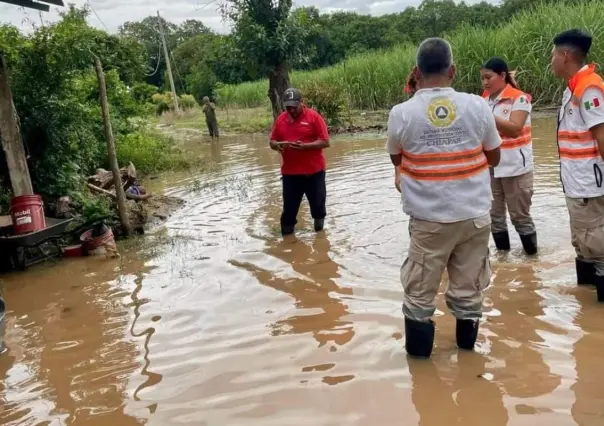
[(268, 37), (189, 29), (55, 92), (146, 32)]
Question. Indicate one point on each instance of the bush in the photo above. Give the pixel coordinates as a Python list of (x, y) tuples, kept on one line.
[(143, 93), (326, 99), (150, 152), (187, 102), (92, 207), (164, 102), (162, 107)]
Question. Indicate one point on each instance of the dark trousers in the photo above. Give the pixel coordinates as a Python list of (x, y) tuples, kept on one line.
[(294, 188), (212, 128)]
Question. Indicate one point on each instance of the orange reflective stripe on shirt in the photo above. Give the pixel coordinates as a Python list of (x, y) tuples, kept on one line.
[(579, 153), (575, 137), (523, 139), (420, 166), (442, 158), (453, 173)]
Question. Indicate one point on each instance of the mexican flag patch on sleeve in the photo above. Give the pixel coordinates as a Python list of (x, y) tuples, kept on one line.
[(594, 103)]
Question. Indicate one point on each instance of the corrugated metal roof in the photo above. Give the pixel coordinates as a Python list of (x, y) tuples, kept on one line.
[(43, 5)]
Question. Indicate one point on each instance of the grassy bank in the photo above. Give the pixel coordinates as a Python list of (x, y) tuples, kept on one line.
[(230, 120), (233, 121), (151, 152), (375, 80)]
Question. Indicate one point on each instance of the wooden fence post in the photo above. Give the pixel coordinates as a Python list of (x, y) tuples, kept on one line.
[(12, 144), (115, 169)]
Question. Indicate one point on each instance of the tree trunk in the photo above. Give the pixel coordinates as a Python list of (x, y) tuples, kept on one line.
[(11, 138), (278, 83), (115, 169)]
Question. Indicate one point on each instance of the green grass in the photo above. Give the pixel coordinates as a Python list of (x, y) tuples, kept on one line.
[(375, 80), (230, 120)]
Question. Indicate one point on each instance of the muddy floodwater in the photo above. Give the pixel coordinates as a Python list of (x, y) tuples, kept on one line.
[(214, 320)]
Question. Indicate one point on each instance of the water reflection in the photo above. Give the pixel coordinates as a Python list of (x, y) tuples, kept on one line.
[(516, 333), (312, 292), (456, 393), (66, 345), (223, 323), (317, 312), (588, 408)]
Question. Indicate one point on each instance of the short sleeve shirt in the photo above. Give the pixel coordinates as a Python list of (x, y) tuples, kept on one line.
[(308, 127), (442, 123), (522, 103), (592, 106)]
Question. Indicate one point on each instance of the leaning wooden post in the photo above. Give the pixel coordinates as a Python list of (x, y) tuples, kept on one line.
[(12, 144), (115, 169)]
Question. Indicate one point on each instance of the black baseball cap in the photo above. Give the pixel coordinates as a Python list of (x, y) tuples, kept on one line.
[(292, 97), (575, 37)]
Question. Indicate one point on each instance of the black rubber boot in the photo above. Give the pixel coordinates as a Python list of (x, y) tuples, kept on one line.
[(419, 338), (529, 243), (319, 224), (586, 272), (466, 333), (599, 282), (286, 230), (502, 240)]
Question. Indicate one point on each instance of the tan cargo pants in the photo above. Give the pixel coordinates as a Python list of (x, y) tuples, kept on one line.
[(516, 194), (463, 249), (587, 229)]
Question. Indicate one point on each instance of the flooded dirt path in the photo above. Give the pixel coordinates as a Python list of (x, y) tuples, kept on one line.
[(214, 320)]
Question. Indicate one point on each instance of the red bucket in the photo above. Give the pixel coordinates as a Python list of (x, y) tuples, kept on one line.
[(27, 212)]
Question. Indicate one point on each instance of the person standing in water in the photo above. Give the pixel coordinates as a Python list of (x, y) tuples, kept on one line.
[(209, 110), (300, 135), (581, 147), (512, 179), (443, 141)]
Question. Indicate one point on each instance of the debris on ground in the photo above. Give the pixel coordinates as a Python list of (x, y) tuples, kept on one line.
[(143, 207), (334, 130), (64, 208)]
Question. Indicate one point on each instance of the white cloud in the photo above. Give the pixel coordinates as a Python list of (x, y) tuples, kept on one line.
[(113, 13)]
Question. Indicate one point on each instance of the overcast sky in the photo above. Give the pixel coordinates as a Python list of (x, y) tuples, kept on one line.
[(113, 13)]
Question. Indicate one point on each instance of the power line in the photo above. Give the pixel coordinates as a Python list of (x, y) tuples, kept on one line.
[(97, 15), (158, 61)]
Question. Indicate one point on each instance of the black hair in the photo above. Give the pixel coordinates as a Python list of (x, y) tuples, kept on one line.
[(434, 56), (499, 66), (576, 39)]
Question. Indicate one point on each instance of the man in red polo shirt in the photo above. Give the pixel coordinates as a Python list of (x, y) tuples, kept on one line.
[(300, 135)]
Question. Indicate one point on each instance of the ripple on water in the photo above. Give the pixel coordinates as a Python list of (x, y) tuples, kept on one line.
[(224, 323)]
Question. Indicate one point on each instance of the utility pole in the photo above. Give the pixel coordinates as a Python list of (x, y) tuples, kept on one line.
[(10, 136), (167, 56), (115, 169)]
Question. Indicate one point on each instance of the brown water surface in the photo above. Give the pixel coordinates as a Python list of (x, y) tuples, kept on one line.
[(215, 320)]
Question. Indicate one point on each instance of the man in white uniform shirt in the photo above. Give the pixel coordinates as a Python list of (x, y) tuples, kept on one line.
[(443, 142), (581, 149)]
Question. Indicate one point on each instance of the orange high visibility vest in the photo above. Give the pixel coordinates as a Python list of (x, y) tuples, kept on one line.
[(516, 152), (581, 164)]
